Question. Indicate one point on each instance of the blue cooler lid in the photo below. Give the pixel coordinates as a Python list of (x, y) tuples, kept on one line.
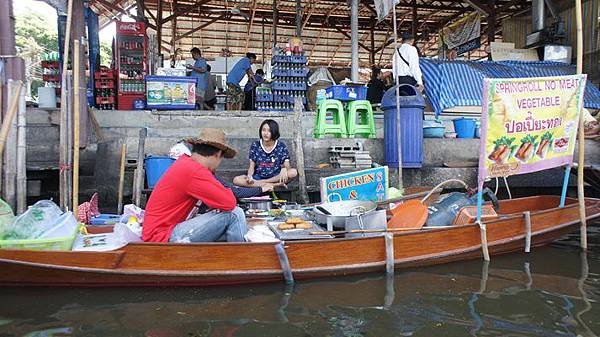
[(388, 101)]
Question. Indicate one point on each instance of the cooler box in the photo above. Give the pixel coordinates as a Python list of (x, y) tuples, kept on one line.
[(169, 93), (411, 126), (346, 92)]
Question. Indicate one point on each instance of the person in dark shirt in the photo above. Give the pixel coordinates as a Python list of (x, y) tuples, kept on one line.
[(376, 87)]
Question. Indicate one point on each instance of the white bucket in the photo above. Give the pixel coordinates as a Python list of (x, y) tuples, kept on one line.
[(47, 97)]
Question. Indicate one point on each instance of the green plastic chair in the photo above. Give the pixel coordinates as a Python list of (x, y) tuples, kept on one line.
[(338, 127), (365, 126)]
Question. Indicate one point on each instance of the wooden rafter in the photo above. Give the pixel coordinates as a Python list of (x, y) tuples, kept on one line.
[(250, 24)]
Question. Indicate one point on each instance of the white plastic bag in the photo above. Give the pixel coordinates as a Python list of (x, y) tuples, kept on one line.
[(38, 219)]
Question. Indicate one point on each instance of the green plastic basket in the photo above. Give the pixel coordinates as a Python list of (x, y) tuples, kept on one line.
[(63, 243)]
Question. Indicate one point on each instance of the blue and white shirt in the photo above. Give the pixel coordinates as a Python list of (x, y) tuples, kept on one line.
[(267, 164)]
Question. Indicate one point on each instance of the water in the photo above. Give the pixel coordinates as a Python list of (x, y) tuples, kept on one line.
[(552, 292)]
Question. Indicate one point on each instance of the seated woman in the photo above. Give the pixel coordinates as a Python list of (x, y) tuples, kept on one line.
[(269, 159)]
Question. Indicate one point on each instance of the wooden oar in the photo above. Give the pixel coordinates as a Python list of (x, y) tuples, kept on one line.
[(383, 230)]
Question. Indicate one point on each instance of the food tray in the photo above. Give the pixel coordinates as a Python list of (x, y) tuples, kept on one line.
[(297, 234)]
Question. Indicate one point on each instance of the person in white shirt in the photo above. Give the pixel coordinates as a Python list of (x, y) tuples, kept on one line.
[(406, 63)]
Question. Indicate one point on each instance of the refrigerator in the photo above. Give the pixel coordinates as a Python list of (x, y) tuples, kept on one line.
[(131, 62)]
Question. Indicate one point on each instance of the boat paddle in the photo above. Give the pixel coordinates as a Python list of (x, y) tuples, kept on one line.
[(381, 230)]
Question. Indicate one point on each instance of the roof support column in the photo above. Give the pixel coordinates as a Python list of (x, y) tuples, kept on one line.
[(298, 18), (174, 28), (159, 27), (372, 51), (414, 19), (275, 23), (354, 28)]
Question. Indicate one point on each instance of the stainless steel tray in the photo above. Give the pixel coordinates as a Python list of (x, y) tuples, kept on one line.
[(297, 234)]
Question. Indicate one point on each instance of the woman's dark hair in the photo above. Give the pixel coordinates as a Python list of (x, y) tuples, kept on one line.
[(204, 150), (376, 71), (260, 72), (273, 126)]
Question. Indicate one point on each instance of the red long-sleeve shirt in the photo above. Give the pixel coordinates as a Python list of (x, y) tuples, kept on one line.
[(176, 194)]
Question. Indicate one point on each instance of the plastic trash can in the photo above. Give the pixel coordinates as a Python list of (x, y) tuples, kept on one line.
[(411, 127), (156, 167), (465, 127)]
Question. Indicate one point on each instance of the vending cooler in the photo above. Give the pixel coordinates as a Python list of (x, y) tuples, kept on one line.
[(131, 63)]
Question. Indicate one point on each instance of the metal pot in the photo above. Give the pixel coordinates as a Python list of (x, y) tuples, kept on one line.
[(340, 210), (258, 204)]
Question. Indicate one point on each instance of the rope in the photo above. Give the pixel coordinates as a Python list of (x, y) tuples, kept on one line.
[(443, 183)]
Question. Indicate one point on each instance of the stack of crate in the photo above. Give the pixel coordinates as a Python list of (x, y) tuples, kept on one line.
[(105, 87), (289, 81), (349, 157)]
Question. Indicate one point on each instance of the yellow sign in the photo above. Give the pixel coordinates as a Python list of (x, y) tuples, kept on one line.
[(529, 124)]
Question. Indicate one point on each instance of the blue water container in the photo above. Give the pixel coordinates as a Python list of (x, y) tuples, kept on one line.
[(411, 126), (465, 127), (156, 167)]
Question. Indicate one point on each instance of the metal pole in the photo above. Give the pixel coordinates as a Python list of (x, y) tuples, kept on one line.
[(398, 134), (354, 29)]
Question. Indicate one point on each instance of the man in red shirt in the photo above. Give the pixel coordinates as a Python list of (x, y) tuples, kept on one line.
[(169, 213)]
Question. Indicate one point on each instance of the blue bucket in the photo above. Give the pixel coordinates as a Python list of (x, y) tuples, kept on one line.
[(464, 127), (155, 168)]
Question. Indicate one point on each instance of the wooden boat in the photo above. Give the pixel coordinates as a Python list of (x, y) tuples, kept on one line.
[(152, 264)]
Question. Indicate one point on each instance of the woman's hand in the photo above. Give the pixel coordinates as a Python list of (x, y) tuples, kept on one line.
[(249, 180), (267, 188), (283, 176)]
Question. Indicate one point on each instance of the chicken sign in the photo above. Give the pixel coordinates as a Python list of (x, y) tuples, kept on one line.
[(529, 124)]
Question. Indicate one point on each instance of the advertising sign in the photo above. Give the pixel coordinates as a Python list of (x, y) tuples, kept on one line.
[(371, 184), (529, 124), (464, 34)]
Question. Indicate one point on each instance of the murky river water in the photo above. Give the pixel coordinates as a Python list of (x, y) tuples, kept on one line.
[(552, 292)]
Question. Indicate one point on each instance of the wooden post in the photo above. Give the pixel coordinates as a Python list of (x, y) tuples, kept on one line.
[(64, 116), (372, 51), (174, 29), (121, 178), (139, 171), (159, 25), (298, 107), (581, 137), (10, 114), (76, 115), (21, 154)]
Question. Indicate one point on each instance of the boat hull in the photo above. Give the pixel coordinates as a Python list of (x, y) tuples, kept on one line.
[(151, 264)]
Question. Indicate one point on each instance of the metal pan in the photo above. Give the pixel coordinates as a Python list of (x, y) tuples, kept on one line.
[(339, 211)]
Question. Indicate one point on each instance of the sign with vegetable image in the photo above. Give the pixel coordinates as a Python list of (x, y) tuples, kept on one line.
[(529, 124)]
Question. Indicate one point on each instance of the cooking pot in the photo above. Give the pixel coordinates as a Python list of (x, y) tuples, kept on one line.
[(334, 214), (257, 204)]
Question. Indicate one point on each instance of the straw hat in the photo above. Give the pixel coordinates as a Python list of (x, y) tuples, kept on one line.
[(215, 138)]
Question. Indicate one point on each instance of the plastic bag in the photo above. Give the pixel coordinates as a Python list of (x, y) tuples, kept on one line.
[(321, 74), (6, 215), (39, 218)]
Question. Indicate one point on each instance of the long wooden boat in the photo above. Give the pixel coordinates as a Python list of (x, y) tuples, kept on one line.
[(151, 264)]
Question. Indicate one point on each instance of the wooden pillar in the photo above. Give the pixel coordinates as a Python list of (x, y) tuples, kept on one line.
[(159, 18), (415, 19), (298, 18), (263, 40), (141, 16), (78, 32), (372, 51), (275, 19), (174, 28), (491, 32)]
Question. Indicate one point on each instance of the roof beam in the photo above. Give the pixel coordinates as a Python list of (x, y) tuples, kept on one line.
[(204, 25), (184, 10)]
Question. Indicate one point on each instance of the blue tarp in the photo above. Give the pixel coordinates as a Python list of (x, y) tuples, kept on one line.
[(459, 83)]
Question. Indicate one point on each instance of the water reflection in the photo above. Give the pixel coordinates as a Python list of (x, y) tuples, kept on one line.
[(551, 292)]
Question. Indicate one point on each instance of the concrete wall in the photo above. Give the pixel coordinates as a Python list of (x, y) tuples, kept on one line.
[(166, 128)]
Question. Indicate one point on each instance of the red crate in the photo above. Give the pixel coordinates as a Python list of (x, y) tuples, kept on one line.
[(51, 78), (104, 74), (50, 64), (105, 100), (105, 84)]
